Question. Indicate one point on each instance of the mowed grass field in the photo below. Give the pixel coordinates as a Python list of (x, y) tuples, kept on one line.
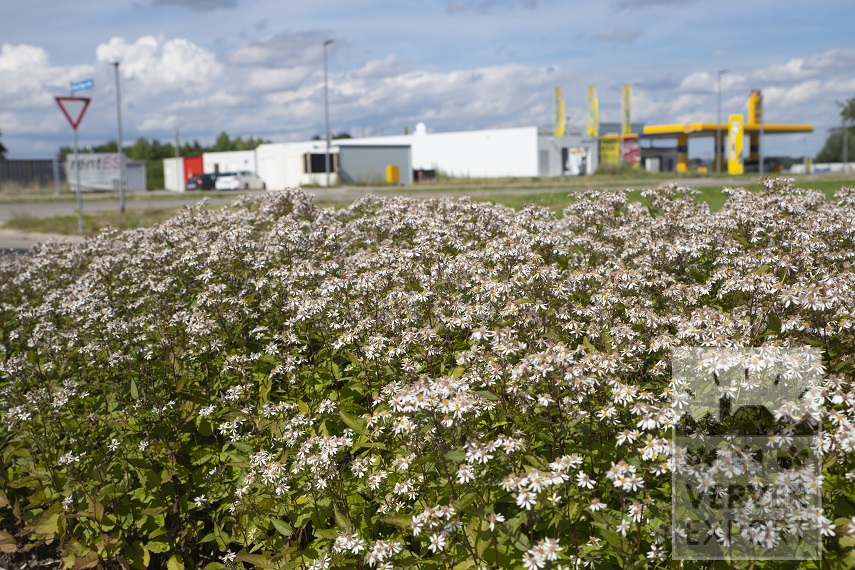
[(555, 194)]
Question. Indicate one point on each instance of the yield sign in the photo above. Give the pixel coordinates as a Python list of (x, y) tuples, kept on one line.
[(73, 108)]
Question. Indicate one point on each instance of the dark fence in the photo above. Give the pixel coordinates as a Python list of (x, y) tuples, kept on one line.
[(31, 173)]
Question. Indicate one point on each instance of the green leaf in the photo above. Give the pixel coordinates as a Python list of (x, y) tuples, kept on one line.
[(356, 424), (456, 456), (138, 555), (588, 346), (4, 500), (281, 527), (47, 524), (174, 563), (328, 533), (150, 512), (487, 395), (467, 500), (400, 522), (342, 522), (8, 544), (254, 559), (157, 546)]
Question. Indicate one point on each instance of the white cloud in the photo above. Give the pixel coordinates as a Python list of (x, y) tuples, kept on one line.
[(375, 69), (801, 68), (158, 65), (28, 79), (21, 57), (279, 79), (281, 50), (706, 82)]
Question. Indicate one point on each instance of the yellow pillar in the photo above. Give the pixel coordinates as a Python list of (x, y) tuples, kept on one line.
[(682, 154), (735, 135)]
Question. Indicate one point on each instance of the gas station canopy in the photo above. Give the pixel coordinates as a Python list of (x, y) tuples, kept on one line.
[(754, 128), (711, 129)]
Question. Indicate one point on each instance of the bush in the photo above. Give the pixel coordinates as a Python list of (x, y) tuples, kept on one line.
[(441, 382)]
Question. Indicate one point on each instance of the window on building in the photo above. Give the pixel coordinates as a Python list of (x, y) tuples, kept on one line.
[(315, 163)]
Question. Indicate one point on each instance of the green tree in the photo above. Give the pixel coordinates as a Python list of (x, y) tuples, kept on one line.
[(832, 150), (223, 143), (2, 149), (338, 136)]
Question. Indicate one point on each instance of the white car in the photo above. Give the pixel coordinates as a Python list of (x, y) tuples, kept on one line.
[(243, 180)]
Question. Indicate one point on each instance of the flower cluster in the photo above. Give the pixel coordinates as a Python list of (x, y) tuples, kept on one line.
[(404, 380)]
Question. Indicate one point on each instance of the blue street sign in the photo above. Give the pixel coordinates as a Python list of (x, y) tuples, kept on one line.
[(81, 85)]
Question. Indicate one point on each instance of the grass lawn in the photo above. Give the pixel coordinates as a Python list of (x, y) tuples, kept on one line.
[(556, 195), (712, 195), (92, 222)]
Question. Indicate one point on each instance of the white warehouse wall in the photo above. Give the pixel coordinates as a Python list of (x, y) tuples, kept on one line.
[(173, 174), (280, 165), (230, 161), (488, 153)]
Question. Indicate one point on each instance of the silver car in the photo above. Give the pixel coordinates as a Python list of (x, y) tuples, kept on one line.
[(243, 180)]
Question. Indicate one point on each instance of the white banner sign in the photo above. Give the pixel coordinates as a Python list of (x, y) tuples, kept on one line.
[(103, 172)]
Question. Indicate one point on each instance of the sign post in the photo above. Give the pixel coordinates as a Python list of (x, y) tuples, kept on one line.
[(81, 85), (74, 108)]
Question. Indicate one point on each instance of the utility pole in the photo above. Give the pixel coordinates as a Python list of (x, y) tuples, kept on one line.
[(327, 113), (179, 187), (760, 140), (122, 175), (719, 155)]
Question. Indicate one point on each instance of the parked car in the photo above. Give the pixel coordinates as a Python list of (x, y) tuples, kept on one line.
[(201, 182), (243, 180)]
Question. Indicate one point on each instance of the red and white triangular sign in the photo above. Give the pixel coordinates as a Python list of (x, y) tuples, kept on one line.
[(73, 108)]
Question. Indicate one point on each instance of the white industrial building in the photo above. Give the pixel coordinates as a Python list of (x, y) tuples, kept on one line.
[(496, 153), (523, 152)]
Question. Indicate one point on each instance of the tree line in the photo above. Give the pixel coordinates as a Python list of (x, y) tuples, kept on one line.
[(832, 150), (151, 150)]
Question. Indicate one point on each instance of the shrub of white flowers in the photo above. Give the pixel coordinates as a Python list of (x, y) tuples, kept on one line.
[(406, 383)]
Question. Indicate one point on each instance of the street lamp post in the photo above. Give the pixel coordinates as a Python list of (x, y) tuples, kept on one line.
[(760, 140), (719, 155), (327, 114), (122, 176), (845, 157)]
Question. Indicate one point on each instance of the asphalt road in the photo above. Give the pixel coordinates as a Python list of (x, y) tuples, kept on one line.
[(17, 241)]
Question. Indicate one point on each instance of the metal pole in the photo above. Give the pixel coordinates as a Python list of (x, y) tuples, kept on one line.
[(760, 144), (79, 198), (719, 155), (122, 176), (327, 114), (179, 187), (56, 184)]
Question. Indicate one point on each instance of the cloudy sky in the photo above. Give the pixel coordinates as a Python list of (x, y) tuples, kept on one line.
[(256, 67)]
